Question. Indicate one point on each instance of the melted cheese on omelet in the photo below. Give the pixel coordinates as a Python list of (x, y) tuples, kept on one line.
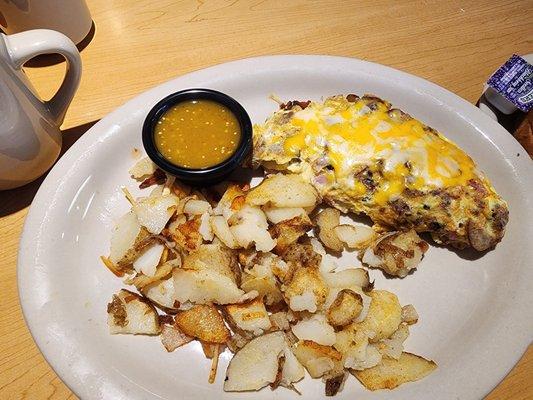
[(346, 137)]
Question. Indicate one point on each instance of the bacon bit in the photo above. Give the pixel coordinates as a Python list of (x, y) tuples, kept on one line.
[(214, 364), (157, 178), (290, 104), (112, 267)]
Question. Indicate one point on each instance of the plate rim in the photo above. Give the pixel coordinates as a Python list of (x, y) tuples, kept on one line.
[(498, 137)]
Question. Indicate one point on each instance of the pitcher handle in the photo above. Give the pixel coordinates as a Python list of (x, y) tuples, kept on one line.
[(25, 45)]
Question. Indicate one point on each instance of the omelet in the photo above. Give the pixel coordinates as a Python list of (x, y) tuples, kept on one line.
[(364, 156)]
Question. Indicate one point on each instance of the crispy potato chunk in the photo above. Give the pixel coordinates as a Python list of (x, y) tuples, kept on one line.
[(384, 315), (347, 278), (249, 226), (283, 191), (124, 236), (289, 231), (306, 290), (250, 316), (409, 314), (129, 313), (355, 236), (161, 293), (397, 253), (220, 228), (205, 286), (302, 254), (393, 346), (196, 207), (391, 373), (315, 329), (203, 322), (154, 212), (261, 278), (215, 257), (256, 364), (142, 169), (276, 215), (232, 200), (187, 234), (345, 308), (327, 220), (317, 359)]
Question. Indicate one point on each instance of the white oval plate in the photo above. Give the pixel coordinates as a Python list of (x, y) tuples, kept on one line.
[(476, 317)]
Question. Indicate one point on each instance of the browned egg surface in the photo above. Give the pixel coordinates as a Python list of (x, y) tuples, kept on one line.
[(197, 134)]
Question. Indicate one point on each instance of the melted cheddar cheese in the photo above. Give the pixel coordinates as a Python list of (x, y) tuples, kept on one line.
[(400, 152)]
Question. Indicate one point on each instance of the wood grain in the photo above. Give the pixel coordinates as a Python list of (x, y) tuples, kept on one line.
[(139, 44)]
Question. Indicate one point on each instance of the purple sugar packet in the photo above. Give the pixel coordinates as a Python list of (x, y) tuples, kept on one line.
[(514, 81)]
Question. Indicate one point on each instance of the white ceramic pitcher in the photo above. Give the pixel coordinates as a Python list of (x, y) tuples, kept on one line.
[(30, 140)]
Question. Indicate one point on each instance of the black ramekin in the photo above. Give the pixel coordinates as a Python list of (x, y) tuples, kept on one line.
[(204, 176)]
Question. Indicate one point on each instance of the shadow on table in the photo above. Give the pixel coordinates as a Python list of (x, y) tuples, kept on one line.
[(14, 200), (46, 60)]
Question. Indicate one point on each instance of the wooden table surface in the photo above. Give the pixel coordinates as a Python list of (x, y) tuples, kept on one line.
[(139, 44)]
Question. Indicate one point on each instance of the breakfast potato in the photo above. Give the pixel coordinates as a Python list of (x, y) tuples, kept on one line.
[(161, 294), (129, 313), (347, 278), (125, 234), (327, 220), (251, 316), (396, 253), (197, 207), (172, 337), (345, 309), (256, 364), (291, 371), (317, 359), (231, 201), (142, 169), (303, 255), (393, 346), (306, 290), (249, 226), (187, 234), (148, 260), (384, 315), (289, 231), (154, 212), (409, 314), (276, 215), (316, 329), (203, 322), (261, 279), (140, 281), (391, 373), (205, 286), (284, 191), (355, 237), (220, 228), (357, 352), (215, 257)]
